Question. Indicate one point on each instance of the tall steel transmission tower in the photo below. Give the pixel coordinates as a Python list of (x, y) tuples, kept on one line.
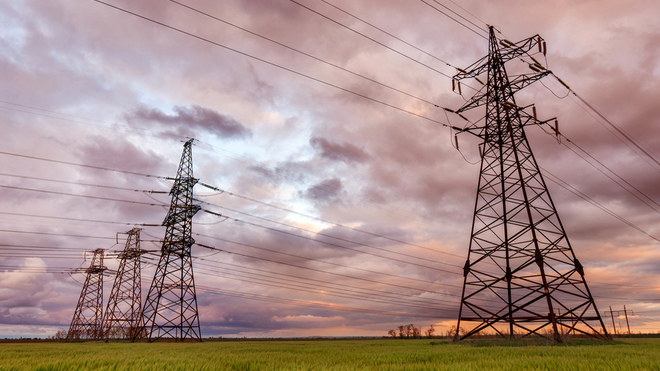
[(521, 275), (87, 319), (170, 310), (123, 315)]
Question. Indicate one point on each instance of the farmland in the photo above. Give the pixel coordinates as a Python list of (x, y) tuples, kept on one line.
[(389, 354)]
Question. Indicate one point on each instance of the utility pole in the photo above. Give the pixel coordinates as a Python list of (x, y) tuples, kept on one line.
[(88, 316), (170, 310), (521, 268), (123, 315), (617, 313), (625, 312)]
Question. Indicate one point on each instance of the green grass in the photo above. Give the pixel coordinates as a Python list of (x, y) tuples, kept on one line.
[(625, 354)]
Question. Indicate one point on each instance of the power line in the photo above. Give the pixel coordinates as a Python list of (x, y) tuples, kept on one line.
[(83, 165), (55, 112), (345, 247), (313, 304), (261, 248), (619, 130), (468, 12), (28, 269), (38, 216), (456, 20), (346, 292), (583, 196), (305, 280), (300, 266), (333, 237), (108, 125), (82, 184), (615, 174), (622, 133), (389, 34), (65, 235), (233, 194), (86, 220), (276, 65), (391, 209), (371, 39), (83, 196), (306, 54)]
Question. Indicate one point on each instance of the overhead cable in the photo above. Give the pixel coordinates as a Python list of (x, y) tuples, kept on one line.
[(276, 65)]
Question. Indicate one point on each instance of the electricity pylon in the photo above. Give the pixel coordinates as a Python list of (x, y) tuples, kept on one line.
[(123, 314), (170, 310), (88, 316), (521, 275)]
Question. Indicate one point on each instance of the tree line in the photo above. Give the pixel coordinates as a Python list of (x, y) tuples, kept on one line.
[(411, 332)]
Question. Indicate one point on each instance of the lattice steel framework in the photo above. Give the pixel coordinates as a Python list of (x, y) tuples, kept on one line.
[(86, 323), (170, 309), (123, 314), (521, 274)]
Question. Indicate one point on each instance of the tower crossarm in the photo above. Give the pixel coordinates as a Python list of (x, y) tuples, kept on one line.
[(508, 50), (520, 82)]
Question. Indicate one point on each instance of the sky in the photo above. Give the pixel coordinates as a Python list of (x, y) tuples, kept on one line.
[(347, 208)]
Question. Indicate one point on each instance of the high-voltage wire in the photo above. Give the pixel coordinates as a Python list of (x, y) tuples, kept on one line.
[(625, 135), (313, 304), (305, 53), (233, 194), (388, 34), (597, 204), (84, 220), (455, 20), (371, 39), (82, 184), (303, 258), (108, 125), (381, 298), (65, 235), (277, 65), (82, 165), (308, 282), (300, 266), (78, 195), (343, 240), (648, 200)]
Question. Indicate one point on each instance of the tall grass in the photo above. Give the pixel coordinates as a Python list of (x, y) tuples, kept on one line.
[(627, 354)]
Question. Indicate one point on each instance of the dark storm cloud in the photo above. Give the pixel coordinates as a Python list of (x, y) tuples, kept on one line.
[(103, 152), (190, 119), (325, 190), (345, 152)]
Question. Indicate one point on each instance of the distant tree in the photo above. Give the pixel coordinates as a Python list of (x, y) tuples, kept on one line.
[(410, 330), (430, 332), (402, 331), (392, 333), (416, 332), (59, 335)]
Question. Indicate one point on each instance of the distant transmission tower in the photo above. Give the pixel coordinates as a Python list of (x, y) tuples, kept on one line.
[(123, 315), (521, 275), (170, 310), (87, 319)]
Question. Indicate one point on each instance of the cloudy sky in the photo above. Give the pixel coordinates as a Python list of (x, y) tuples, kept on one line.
[(347, 205)]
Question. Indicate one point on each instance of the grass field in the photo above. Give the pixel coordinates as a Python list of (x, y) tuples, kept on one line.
[(386, 354)]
